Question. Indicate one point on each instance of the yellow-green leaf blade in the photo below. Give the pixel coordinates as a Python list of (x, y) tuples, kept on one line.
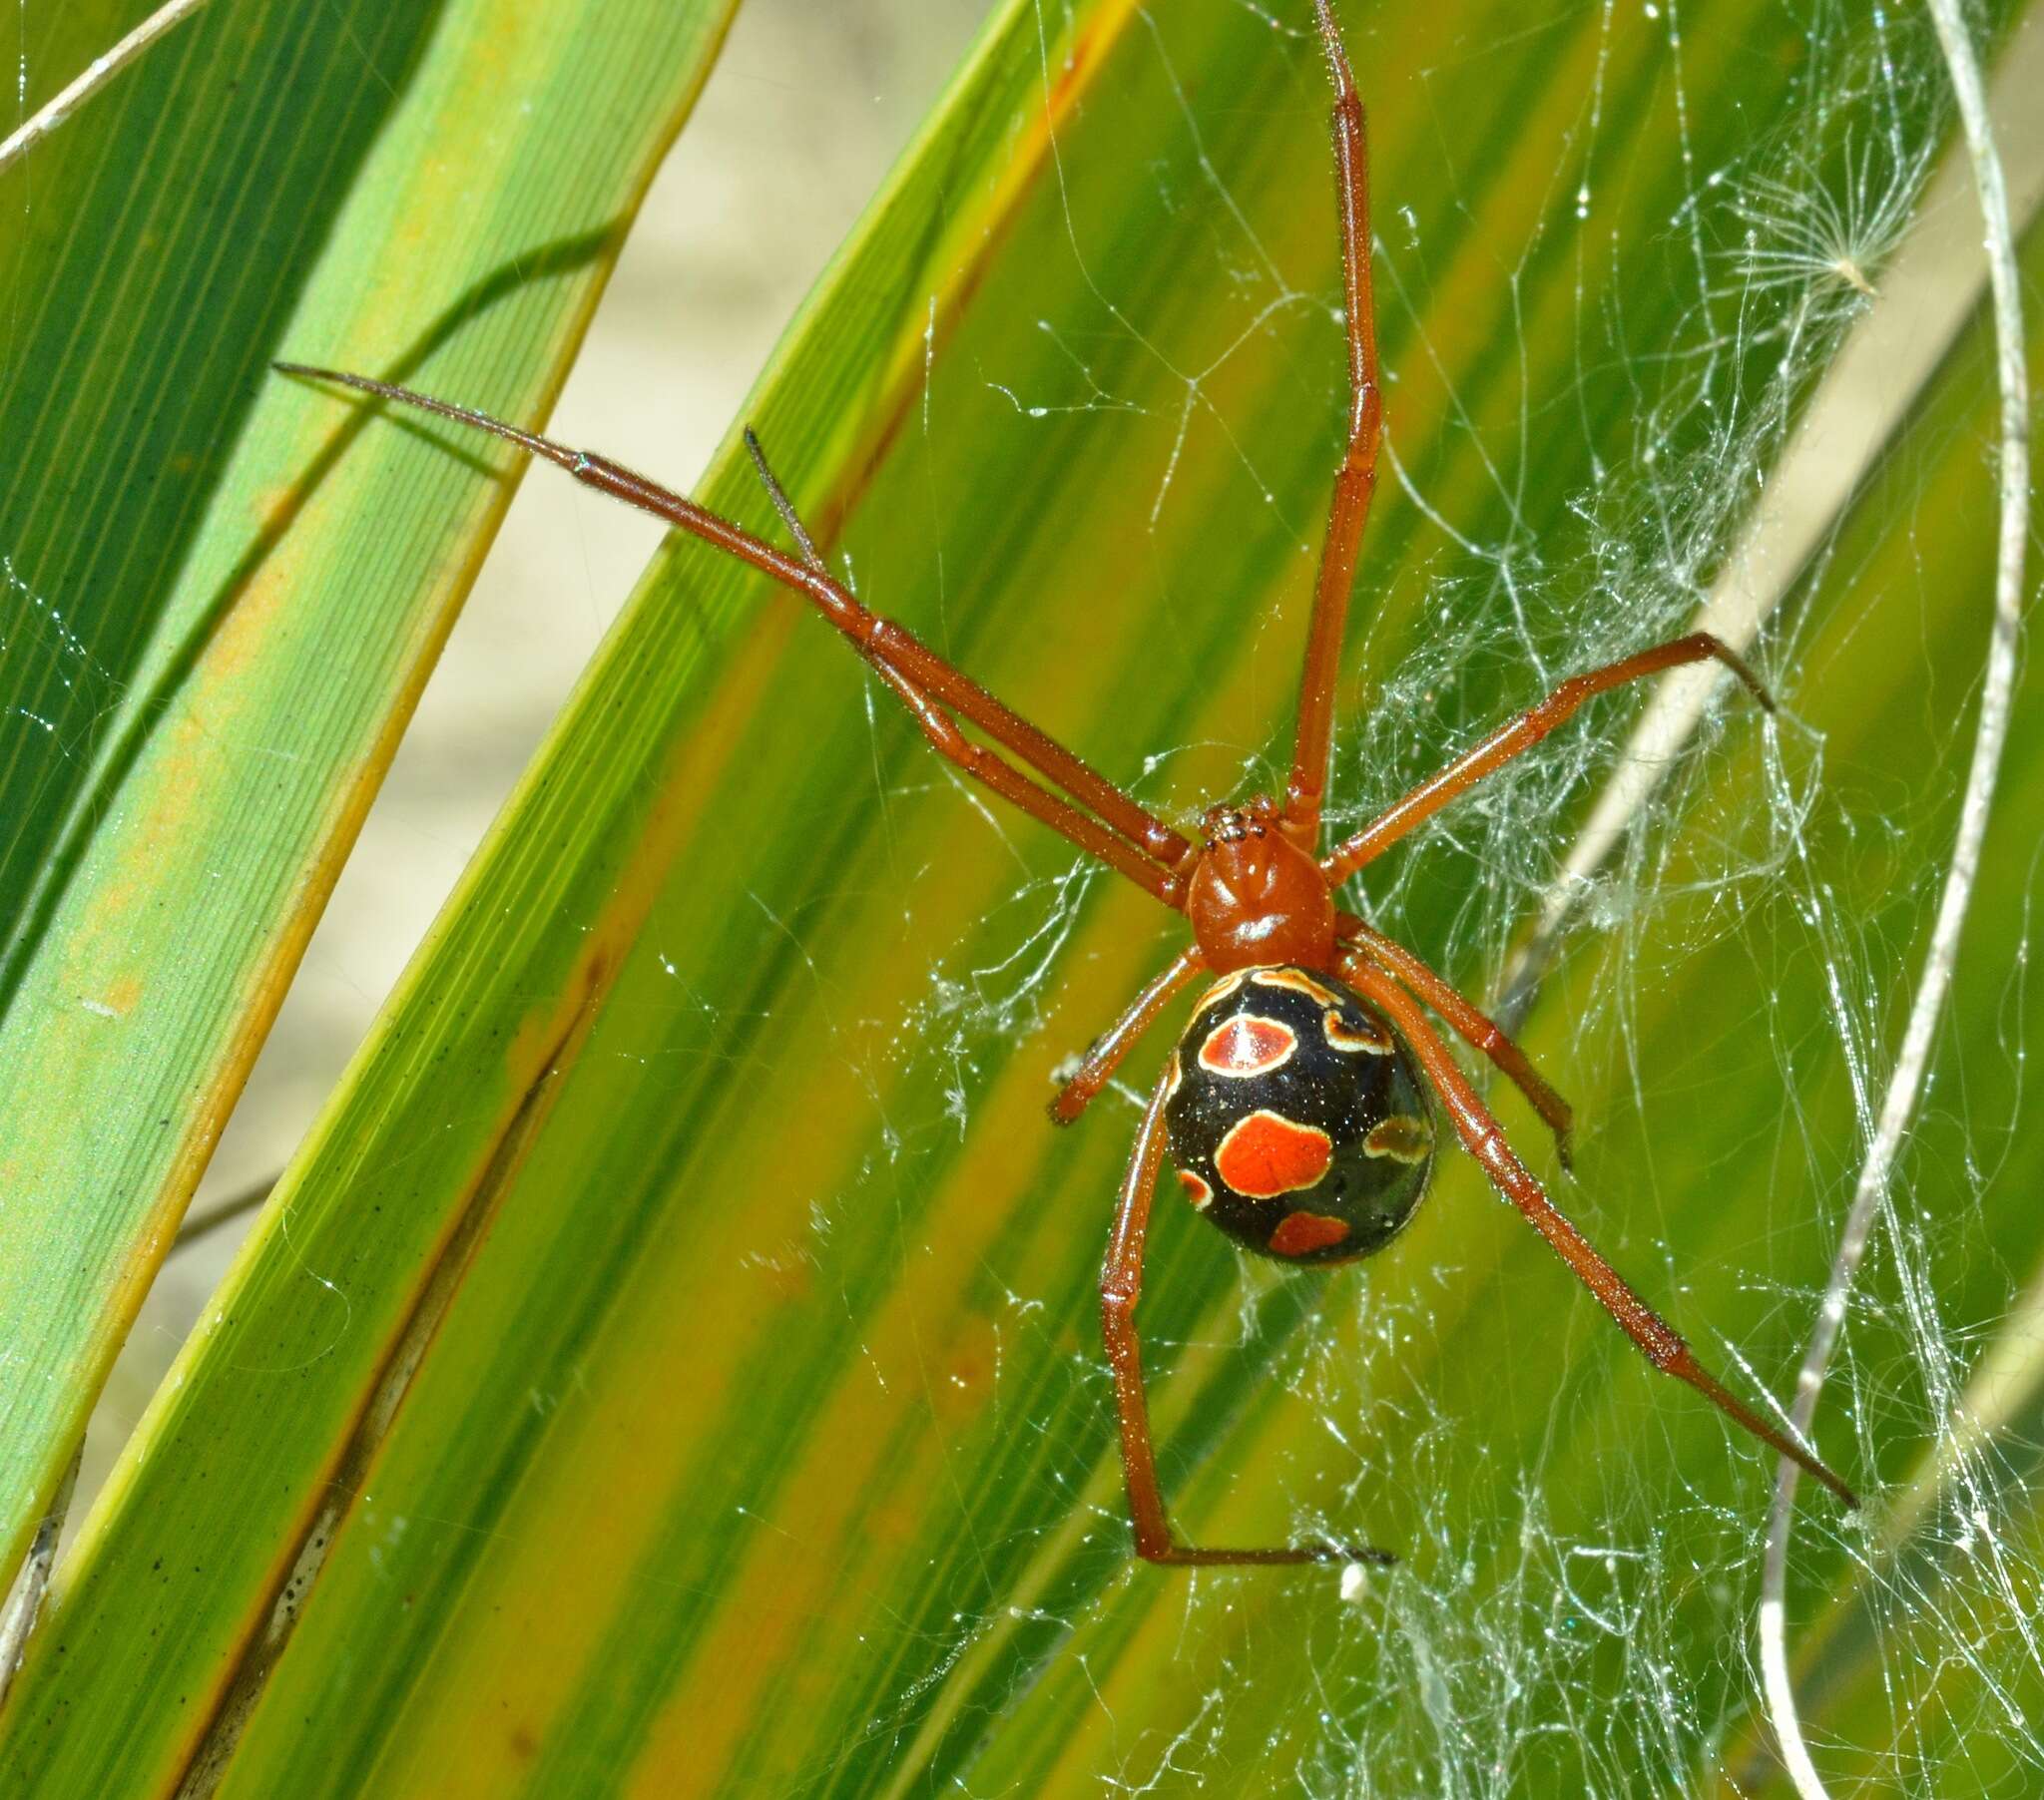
[(765, 1445), (237, 614)]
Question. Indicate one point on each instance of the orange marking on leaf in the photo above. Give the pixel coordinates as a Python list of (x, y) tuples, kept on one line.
[(1401, 1137), (1196, 1191), (1299, 1233), (1246, 1046), (1266, 1154), (1374, 1037)]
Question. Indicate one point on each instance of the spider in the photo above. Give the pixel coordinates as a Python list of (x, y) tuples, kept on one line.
[(1299, 1108)]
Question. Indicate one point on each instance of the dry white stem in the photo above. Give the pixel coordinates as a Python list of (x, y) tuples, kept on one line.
[(1898, 1105), (100, 71), (1874, 383)]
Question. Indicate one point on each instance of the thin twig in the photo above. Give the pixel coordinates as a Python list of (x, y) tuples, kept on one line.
[(99, 72), (221, 1212), (1900, 1106)]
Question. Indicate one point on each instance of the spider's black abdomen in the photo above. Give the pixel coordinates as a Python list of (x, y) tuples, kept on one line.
[(1296, 1117)]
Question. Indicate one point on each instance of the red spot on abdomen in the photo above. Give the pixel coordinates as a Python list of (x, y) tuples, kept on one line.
[(1301, 1233), (1246, 1045), (1266, 1154)]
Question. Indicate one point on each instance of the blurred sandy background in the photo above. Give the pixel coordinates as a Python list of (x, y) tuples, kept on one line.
[(808, 107)]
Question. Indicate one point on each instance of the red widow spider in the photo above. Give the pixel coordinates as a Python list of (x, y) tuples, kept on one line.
[(1294, 1108)]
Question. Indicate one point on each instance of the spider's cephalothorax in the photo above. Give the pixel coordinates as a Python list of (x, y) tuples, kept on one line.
[(1296, 1118), (1255, 898), (1296, 1109)]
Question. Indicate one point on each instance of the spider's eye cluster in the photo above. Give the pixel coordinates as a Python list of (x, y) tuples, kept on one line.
[(1232, 824)]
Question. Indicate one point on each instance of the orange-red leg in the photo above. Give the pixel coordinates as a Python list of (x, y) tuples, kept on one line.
[(1130, 839), (1119, 1039), (1484, 1140), (1121, 1283), (1356, 479), (941, 729), (1475, 1028), (1522, 734)]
